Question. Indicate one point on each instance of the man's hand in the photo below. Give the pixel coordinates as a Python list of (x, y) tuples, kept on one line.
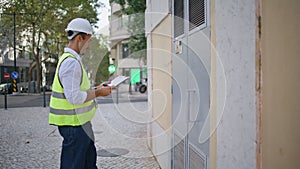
[(103, 91), (104, 84)]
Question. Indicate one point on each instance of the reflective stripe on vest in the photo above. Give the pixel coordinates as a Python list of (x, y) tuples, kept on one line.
[(73, 111), (58, 95), (62, 112)]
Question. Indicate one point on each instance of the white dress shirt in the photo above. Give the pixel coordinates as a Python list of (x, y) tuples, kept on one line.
[(70, 75)]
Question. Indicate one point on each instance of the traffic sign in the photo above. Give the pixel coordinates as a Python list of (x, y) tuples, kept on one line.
[(6, 76), (14, 75), (111, 68)]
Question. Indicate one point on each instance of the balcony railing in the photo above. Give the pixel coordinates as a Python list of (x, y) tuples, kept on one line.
[(115, 8), (119, 26)]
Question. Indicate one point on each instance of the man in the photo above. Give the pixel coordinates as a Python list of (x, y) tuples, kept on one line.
[(72, 104)]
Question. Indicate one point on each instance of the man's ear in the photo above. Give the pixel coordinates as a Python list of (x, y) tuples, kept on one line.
[(79, 38)]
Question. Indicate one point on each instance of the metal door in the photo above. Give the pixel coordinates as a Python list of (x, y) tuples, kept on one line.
[(190, 94)]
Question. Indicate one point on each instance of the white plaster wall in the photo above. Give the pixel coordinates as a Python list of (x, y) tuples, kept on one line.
[(150, 86), (235, 45), (159, 47), (158, 139), (155, 12), (161, 146)]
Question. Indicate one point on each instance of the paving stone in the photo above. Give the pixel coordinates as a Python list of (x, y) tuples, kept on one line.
[(27, 141)]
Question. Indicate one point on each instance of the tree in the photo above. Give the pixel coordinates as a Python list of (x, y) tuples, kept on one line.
[(96, 60), (5, 39), (42, 21), (102, 72), (135, 9)]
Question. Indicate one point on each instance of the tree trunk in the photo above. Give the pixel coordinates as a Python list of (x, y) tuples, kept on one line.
[(33, 54), (29, 79), (38, 60), (38, 72), (32, 65)]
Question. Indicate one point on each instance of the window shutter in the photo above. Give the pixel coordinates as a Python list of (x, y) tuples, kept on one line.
[(197, 13)]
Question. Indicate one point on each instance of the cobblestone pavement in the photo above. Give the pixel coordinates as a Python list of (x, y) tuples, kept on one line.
[(28, 142)]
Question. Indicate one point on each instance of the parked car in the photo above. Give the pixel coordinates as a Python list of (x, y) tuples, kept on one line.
[(6, 88), (23, 89)]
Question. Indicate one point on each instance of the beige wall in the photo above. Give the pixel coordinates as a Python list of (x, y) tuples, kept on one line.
[(161, 73), (281, 84), (213, 88)]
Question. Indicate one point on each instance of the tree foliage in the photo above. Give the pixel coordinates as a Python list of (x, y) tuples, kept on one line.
[(135, 9), (5, 38), (41, 23), (96, 60)]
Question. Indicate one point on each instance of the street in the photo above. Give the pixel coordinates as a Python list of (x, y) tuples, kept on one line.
[(37, 100), (28, 141)]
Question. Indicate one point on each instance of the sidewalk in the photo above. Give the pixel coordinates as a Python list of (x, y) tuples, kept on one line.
[(27, 141)]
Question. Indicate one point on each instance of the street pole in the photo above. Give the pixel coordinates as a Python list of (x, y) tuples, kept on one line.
[(15, 55), (117, 95), (44, 95), (5, 101), (5, 95)]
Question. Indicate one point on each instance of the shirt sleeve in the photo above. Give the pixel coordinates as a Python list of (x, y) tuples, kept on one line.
[(70, 75)]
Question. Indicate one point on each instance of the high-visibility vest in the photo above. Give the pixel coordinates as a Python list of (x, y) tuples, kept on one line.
[(62, 112)]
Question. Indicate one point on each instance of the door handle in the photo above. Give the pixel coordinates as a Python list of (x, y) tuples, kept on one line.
[(190, 93)]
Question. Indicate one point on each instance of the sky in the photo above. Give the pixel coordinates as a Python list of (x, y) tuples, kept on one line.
[(103, 22)]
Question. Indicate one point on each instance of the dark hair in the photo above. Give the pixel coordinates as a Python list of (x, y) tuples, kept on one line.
[(83, 35)]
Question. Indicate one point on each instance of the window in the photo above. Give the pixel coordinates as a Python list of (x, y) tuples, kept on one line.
[(122, 21), (178, 17), (197, 16), (125, 50), (119, 22)]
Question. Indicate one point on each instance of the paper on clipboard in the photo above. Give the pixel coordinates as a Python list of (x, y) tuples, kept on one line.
[(118, 80)]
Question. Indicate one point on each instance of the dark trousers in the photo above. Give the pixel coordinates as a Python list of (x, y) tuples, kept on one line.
[(78, 148)]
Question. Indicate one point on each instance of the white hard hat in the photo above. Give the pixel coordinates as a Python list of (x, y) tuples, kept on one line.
[(78, 25)]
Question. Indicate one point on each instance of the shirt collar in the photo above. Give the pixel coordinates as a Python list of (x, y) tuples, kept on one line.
[(69, 50)]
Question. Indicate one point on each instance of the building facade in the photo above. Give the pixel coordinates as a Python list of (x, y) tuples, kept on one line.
[(7, 64), (223, 77), (23, 62), (121, 55)]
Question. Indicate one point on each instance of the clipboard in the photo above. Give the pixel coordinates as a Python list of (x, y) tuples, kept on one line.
[(117, 81)]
